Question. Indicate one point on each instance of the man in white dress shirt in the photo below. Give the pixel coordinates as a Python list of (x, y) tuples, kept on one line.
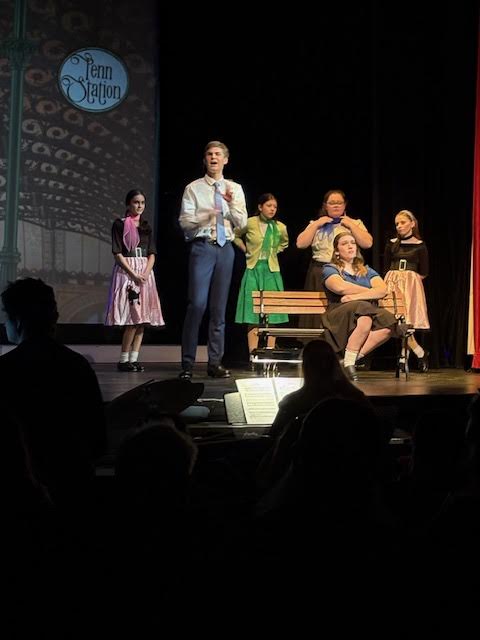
[(211, 208)]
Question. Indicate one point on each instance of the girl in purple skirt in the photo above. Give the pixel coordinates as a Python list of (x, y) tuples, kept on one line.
[(133, 299)]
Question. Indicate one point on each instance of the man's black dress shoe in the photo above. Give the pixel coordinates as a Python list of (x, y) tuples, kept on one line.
[(217, 371), (185, 374), (351, 372), (125, 366)]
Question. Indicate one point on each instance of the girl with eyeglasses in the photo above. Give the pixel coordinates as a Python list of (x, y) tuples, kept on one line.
[(319, 234)]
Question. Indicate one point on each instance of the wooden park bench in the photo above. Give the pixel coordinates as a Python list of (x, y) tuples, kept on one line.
[(308, 303)]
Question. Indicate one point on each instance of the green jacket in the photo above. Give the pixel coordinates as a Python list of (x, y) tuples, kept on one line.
[(252, 237)]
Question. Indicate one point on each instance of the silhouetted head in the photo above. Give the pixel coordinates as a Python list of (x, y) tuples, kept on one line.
[(341, 444), (154, 465), (320, 362), (30, 307)]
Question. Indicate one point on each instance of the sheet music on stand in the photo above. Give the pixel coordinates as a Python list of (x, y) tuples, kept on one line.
[(234, 409), (260, 397)]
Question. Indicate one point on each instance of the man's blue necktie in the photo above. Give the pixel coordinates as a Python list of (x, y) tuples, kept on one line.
[(221, 238)]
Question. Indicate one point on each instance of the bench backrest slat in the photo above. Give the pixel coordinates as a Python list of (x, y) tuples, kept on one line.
[(309, 295), (311, 302), (280, 308)]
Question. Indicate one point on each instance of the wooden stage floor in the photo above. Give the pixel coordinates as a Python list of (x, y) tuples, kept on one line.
[(376, 384), (400, 401)]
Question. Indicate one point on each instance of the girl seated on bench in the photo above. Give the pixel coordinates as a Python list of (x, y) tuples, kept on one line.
[(353, 322)]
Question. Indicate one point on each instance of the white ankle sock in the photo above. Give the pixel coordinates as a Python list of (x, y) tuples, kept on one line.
[(418, 351), (349, 358), (124, 356), (133, 356)]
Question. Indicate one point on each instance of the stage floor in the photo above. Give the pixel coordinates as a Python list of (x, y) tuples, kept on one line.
[(375, 384), (399, 402)]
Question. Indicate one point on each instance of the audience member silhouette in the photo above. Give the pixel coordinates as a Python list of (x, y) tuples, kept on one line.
[(445, 554), (53, 393), (435, 468), (438, 442), (325, 517), (473, 441), (26, 503), (323, 378), (153, 468), (460, 513), (337, 455), (154, 528)]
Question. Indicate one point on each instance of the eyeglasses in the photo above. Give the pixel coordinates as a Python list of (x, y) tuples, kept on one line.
[(333, 203)]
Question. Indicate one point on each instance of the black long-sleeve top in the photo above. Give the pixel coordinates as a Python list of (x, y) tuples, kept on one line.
[(415, 255), (144, 231)]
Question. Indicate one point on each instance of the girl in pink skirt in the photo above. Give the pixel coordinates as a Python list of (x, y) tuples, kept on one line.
[(133, 299), (406, 258)]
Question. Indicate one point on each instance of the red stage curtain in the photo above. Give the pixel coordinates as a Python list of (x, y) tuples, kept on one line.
[(476, 227)]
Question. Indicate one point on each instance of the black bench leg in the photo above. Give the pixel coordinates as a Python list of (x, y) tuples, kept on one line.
[(398, 358), (405, 349), (262, 337), (402, 349)]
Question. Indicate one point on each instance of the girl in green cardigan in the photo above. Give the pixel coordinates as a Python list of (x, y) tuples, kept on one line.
[(261, 240)]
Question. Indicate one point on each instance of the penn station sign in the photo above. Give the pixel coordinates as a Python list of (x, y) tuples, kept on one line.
[(93, 79)]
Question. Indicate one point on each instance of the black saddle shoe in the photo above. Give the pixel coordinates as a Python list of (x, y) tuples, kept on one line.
[(185, 374), (217, 371), (125, 366), (423, 362), (137, 366), (351, 372), (364, 363)]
